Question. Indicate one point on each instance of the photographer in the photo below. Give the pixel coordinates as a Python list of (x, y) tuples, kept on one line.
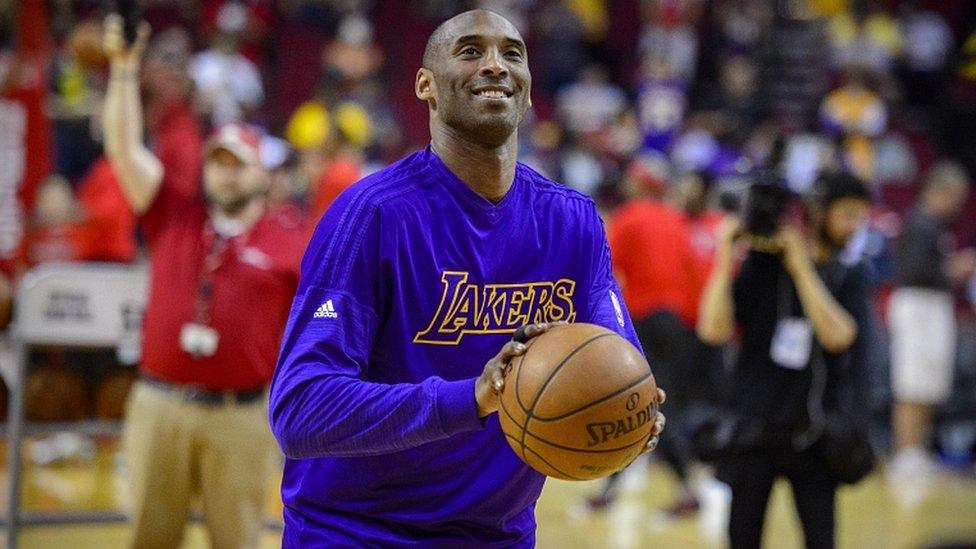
[(798, 310)]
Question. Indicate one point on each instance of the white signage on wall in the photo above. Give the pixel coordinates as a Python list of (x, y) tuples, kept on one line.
[(82, 304)]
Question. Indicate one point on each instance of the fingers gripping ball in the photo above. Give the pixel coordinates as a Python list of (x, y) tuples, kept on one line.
[(579, 404)]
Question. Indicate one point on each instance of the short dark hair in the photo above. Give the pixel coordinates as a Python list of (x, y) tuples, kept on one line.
[(438, 37), (833, 186)]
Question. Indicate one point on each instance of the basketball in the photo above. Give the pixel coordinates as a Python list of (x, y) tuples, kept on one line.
[(579, 404), (55, 392), (112, 392)]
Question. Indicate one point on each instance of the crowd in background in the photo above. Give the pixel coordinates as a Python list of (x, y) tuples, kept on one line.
[(882, 89)]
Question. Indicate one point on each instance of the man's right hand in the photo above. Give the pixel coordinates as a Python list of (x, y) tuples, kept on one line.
[(122, 55), (492, 379), (729, 230)]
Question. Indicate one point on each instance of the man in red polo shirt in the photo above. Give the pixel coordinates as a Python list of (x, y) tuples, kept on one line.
[(652, 260), (224, 271)]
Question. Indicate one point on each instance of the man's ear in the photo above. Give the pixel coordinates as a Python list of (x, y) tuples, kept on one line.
[(424, 86)]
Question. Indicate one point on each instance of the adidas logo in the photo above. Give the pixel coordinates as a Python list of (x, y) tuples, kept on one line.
[(326, 311)]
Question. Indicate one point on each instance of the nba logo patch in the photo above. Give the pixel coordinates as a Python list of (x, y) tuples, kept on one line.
[(617, 309)]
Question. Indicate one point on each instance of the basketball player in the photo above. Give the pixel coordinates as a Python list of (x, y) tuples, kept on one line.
[(411, 288)]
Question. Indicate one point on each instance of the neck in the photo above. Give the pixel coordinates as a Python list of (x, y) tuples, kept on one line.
[(489, 171), (243, 219)]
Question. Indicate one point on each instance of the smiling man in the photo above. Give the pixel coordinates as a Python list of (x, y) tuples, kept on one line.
[(412, 286)]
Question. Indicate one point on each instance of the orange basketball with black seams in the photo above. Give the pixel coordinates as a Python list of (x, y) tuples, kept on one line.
[(579, 404)]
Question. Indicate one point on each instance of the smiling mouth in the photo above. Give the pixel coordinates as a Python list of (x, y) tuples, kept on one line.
[(493, 94)]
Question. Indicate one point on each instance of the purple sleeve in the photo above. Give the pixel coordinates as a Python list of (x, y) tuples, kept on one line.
[(320, 405), (607, 308)]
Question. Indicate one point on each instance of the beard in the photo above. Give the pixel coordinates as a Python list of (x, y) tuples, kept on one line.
[(829, 241), (230, 206), (492, 129)]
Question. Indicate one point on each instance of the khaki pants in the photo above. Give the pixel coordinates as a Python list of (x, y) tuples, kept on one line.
[(175, 450)]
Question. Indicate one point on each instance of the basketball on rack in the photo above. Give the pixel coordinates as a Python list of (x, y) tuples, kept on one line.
[(55, 392)]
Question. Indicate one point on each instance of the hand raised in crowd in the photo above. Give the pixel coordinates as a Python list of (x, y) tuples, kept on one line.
[(729, 231), (123, 55), (794, 247)]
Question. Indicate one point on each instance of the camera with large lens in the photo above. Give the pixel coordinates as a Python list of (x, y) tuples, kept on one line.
[(765, 206)]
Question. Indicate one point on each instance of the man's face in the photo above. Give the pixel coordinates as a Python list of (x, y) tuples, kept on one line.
[(844, 218), (479, 81), (947, 202), (690, 191), (231, 184)]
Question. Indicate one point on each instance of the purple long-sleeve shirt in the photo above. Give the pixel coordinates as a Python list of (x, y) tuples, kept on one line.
[(411, 283)]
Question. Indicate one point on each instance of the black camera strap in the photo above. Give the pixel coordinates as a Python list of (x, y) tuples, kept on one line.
[(818, 366)]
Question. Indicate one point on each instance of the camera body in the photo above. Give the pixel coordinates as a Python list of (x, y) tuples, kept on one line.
[(762, 202), (131, 14), (766, 205)]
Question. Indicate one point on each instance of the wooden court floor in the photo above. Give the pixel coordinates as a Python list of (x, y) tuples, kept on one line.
[(867, 515)]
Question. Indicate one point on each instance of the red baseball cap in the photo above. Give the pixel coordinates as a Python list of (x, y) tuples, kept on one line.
[(650, 172), (241, 140)]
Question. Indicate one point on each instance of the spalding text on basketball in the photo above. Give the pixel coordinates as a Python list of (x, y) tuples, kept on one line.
[(467, 308), (603, 431)]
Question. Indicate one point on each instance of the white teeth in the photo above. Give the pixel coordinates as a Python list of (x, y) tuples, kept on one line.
[(494, 94)]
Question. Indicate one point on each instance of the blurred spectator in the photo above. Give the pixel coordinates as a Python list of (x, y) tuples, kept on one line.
[(855, 114), (731, 105), (228, 84), (248, 21), (352, 56), (591, 103), (921, 316), (543, 143), (867, 36), (343, 166), (580, 166), (53, 233), (224, 270), (76, 95), (741, 24), (651, 260), (564, 55), (691, 192), (662, 103), (330, 146), (698, 149), (108, 219), (95, 225), (669, 32), (928, 47)]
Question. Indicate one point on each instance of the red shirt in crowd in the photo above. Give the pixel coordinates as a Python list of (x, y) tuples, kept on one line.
[(649, 247), (110, 224), (339, 174), (105, 230), (253, 283), (702, 232)]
